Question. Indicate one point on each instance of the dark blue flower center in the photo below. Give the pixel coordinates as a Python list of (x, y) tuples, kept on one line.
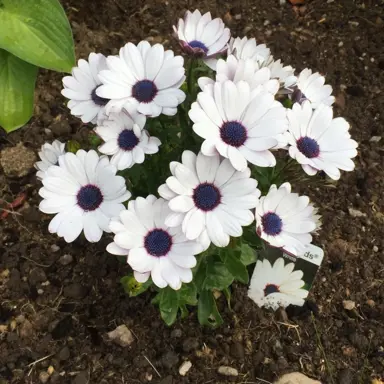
[(271, 288), (127, 140), (198, 44), (144, 91), (233, 133), (158, 242), (308, 147), (89, 197), (298, 96), (206, 197), (272, 224), (100, 101)]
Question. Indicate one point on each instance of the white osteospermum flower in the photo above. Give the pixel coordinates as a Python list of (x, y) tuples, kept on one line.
[(81, 88), (84, 193), (144, 78), (49, 155), (285, 220), (152, 248), (240, 124), (278, 285), (238, 69), (244, 48), (209, 198), (248, 49), (319, 142), (201, 36), (311, 87), (126, 140)]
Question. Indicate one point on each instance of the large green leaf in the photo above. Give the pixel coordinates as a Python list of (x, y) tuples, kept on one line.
[(17, 84), (231, 259), (37, 31), (207, 312)]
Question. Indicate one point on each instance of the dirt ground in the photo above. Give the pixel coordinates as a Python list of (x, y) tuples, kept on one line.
[(59, 300)]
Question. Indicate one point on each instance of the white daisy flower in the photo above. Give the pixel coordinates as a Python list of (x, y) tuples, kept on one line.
[(209, 198), (84, 193), (244, 48), (49, 155), (319, 142), (144, 78), (201, 36), (248, 49), (238, 69), (286, 220), (240, 124), (310, 86), (278, 285), (81, 88), (152, 248), (126, 140)]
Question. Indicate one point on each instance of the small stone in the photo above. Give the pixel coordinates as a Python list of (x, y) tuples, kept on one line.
[(17, 161), (40, 291), (346, 376), (121, 336), (228, 371), (190, 344), (176, 333), (348, 351), (340, 44), (66, 259), (55, 248), (26, 330), (50, 370), (75, 291), (356, 213), (185, 367), (371, 303), (375, 139), (169, 359), (349, 305), (296, 378), (64, 354), (375, 248), (44, 377)]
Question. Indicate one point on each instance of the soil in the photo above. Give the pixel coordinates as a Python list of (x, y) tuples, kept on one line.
[(58, 300)]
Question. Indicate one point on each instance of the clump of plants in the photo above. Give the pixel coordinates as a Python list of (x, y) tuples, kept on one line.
[(199, 158)]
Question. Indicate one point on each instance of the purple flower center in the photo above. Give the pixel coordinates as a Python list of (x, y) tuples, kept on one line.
[(158, 242), (308, 147), (198, 44), (100, 101), (233, 133), (127, 140), (144, 91), (206, 197), (270, 288), (272, 224), (89, 197)]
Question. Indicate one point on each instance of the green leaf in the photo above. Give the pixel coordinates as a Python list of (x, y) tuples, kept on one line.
[(132, 287), (169, 305), (187, 294), (38, 32), (73, 146), (217, 276), (207, 312), (17, 85), (248, 255), (231, 259)]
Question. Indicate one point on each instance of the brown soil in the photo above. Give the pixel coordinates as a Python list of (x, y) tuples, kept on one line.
[(55, 312)]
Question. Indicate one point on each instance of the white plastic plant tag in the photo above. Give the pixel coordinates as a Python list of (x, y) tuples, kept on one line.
[(281, 279)]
